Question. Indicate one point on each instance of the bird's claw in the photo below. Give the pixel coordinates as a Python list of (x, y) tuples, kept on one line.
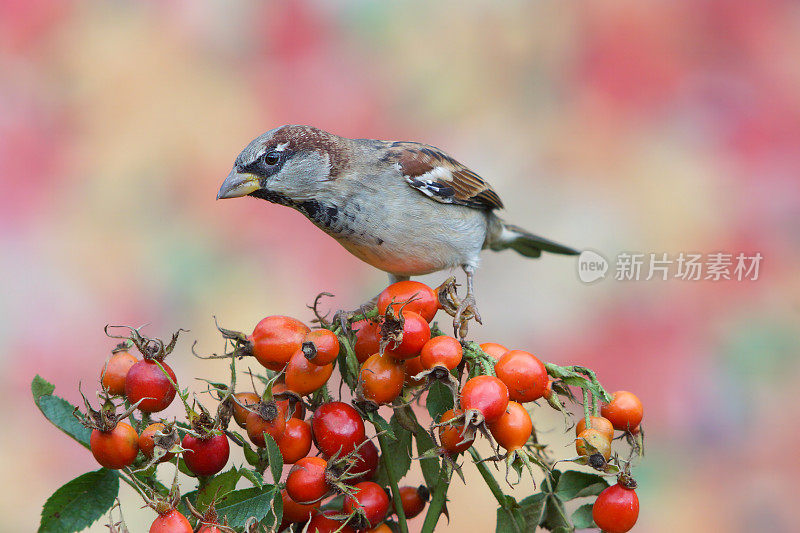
[(448, 296), (467, 310)]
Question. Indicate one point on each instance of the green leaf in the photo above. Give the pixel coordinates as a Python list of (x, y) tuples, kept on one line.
[(334, 504), (549, 482), (395, 454), (577, 381), (274, 457), (532, 509), (506, 522), (574, 484), (218, 486), (582, 517), (41, 387), (430, 465), (250, 455), (239, 505), (381, 425), (185, 469), (58, 411), (347, 362), (274, 517), (254, 477), (439, 400), (555, 515), (398, 452), (580, 377), (79, 503)]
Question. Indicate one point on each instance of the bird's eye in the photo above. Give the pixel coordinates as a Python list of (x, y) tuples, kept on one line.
[(272, 158)]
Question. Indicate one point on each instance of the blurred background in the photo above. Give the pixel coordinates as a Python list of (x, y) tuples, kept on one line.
[(662, 126)]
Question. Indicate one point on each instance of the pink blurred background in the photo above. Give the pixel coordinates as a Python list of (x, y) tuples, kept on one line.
[(665, 126)]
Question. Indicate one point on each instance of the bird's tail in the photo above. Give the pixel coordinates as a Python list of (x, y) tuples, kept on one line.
[(503, 236)]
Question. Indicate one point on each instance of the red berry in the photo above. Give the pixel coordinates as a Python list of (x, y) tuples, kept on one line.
[(524, 375), (325, 346), (494, 350), (171, 522), (487, 394), (548, 391), (147, 445), (337, 428), (444, 351), (146, 380), (323, 523), (116, 370), (616, 509), (416, 332), (295, 443), (413, 367), (596, 439), (306, 482), (366, 464), (210, 528), (452, 437), (243, 401), (299, 408), (267, 418), (275, 339), (599, 423), (303, 376), (425, 301), (371, 499), (625, 410), (293, 511), (368, 339), (513, 429), (116, 448), (206, 457), (382, 378), (414, 500)]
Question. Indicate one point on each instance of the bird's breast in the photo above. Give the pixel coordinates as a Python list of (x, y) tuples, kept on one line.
[(397, 238)]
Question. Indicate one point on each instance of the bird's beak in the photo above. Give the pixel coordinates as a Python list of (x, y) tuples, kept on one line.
[(238, 184)]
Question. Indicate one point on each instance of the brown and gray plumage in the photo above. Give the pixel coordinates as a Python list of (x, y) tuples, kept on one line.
[(403, 207)]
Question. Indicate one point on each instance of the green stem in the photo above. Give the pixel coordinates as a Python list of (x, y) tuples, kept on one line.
[(396, 499), (438, 499), (145, 420), (595, 406), (129, 482), (189, 410), (491, 482), (587, 408)]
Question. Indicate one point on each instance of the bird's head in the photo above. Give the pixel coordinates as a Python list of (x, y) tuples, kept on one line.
[(287, 165)]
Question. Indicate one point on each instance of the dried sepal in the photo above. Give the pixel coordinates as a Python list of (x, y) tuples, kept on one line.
[(106, 418)]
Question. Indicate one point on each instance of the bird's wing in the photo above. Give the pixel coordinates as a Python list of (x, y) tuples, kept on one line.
[(442, 178)]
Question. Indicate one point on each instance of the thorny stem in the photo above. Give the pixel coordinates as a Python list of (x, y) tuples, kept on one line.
[(133, 484), (145, 420), (175, 386), (129, 482), (396, 499), (587, 408), (595, 406), (438, 499), (491, 482)]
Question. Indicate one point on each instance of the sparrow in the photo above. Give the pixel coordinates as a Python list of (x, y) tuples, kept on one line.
[(406, 208)]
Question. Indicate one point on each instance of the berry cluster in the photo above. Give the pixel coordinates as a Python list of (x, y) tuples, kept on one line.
[(389, 356)]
